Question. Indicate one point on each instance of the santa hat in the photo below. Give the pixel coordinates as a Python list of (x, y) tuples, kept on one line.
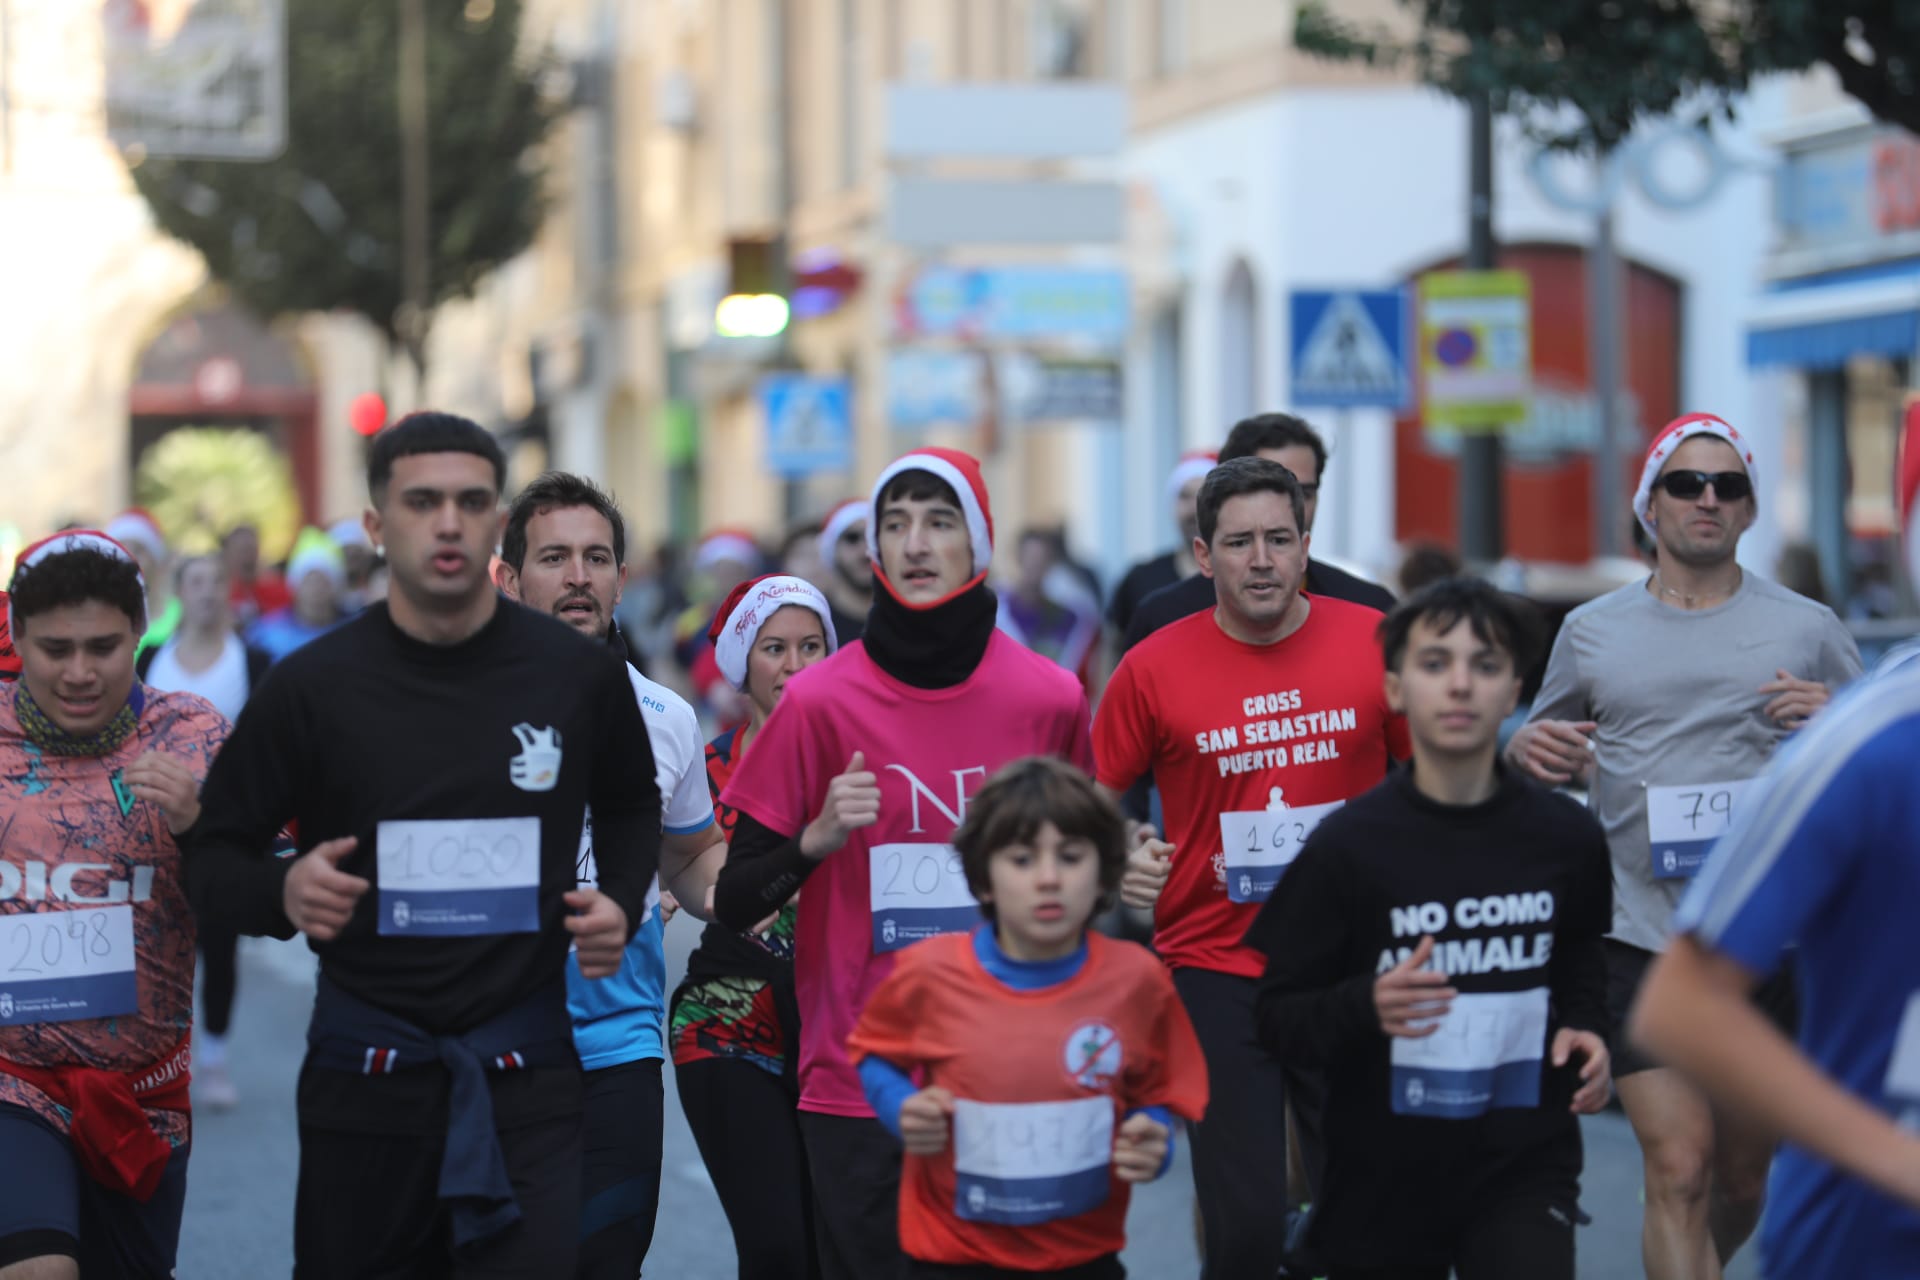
[(727, 544), (1675, 434), (61, 544), (1910, 485), (315, 552), (136, 528), (962, 474), (737, 625), (1192, 466), (839, 520)]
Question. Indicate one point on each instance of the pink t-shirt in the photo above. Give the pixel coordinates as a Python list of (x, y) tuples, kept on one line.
[(897, 881)]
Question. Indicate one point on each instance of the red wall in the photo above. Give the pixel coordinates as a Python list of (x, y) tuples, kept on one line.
[(1549, 508)]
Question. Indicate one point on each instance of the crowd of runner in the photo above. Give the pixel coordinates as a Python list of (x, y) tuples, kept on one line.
[(1398, 948)]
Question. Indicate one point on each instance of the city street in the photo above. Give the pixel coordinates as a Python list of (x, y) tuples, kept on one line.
[(239, 1221)]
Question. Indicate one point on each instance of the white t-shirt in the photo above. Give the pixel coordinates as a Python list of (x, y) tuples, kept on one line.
[(224, 684)]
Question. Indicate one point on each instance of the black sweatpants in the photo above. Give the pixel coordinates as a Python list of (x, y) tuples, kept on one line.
[(855, 1164), (219, 977), (620, 1188), (744, 1122), (368, 1208), (1523, 1234), (1240, 1149)]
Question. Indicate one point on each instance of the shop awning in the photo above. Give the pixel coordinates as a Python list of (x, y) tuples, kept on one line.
[(1819, 322)]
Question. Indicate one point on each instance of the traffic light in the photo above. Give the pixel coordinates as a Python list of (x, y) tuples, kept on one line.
[(756, 301)]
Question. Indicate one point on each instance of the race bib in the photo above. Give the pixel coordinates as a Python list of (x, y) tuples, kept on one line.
[(1683, 823), (459, 877), (61, 966), (1023, 1163), (918, 892), (1486, 1054), (1903, 1069), (1260, 845)]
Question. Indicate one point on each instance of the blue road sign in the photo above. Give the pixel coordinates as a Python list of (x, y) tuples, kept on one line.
[(809, 424), (1348, 348)]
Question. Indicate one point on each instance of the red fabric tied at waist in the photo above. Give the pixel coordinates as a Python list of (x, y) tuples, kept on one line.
[(111, 1137)]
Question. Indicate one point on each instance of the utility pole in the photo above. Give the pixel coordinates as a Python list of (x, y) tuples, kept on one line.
[(415, 217), (1604, 316), (1481, 520)]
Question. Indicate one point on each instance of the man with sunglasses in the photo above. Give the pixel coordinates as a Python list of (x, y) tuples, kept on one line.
[(1667, 697)]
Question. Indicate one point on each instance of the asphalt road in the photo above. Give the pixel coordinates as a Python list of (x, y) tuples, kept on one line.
[(239, 1217)]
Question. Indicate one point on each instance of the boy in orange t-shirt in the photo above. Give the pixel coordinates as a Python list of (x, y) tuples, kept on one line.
[(1052, 1060)]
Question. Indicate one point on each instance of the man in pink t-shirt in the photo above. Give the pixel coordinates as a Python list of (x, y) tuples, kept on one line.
[(855, 788)]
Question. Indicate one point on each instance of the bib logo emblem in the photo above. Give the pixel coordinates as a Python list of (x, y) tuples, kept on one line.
[(1671, 861), (1246, 885), (6, 1004), (537, 767), (977, 1199), (1093, 1055), (1416, 1092), (889, 932), (402, 913)]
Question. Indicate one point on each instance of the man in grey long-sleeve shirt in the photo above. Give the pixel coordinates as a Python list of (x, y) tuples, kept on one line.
[(1668, 696)]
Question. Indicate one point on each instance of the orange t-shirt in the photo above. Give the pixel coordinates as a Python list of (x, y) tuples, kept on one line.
[(1042, 1081)]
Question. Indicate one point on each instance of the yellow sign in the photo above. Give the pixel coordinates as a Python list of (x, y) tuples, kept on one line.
[(1476, 348)]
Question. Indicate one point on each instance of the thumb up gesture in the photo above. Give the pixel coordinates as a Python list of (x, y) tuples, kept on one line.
[(853, 802)]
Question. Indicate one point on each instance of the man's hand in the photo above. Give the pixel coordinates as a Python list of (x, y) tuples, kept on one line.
[(1795, 701), (1596, 1077), (1148, 866), (853, 802), (1409, 1000), (670, 906), (318, 896), (1139, 1149), (599, 930), (924, 1120), (168, 783), (1554, 751)]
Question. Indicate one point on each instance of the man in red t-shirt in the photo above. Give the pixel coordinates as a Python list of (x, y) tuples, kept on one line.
[(1257, 719)]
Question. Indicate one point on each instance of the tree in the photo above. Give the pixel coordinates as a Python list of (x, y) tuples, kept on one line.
[(1598, 68), (319, 227)]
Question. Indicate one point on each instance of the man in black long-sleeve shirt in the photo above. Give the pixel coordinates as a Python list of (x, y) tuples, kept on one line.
[(435, 756), (1436, 949)]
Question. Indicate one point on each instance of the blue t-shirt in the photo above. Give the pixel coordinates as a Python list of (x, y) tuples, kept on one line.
[(281, 632), (619, 1018), (1828, 858)]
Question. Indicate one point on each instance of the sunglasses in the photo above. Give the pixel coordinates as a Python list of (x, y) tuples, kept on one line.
[(1728, 486)]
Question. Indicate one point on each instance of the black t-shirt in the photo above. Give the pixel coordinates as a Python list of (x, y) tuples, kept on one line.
[(1195, 595), (1517, 894), (1141, 581)]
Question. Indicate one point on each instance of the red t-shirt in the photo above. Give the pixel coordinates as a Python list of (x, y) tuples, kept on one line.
[(1250, 746), (1072, 1060)]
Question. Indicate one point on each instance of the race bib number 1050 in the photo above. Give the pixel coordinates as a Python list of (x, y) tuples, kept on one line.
[(459, 877)]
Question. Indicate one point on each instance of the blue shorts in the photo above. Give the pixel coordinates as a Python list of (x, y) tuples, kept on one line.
[(49, 1207)]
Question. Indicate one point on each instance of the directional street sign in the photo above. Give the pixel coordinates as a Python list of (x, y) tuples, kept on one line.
[(1349, 348), (809, 424)]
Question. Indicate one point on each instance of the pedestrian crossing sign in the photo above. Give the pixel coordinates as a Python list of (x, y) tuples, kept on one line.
[(1348, 349)]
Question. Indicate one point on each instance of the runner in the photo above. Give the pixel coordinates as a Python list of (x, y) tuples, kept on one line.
[(735, 1023), (439, 751), (1289, 441), (98, 778), (1827, 859), (1177, 565), (565, 553), (1257, 719), (206, 657), (256, 591), (1062, 626), (1015, 1167), (878, 748), (1670, 695), (318, 576), (1436, 949), (848, 581)]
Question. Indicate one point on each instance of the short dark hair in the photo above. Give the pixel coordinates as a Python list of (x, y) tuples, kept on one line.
[(78, 577), (1240, 477), (553, 491), (1505, 621), (431, 432), (796, 535), (1274, 431), (1015, 802), (185, 563), (1427, 562), (917, 486)]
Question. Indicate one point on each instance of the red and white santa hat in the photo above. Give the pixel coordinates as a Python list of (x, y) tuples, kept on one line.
[(734, 545), (1910, 485), (137, 528), (1675, 434), (1192, 465), (737, 625), (961, 471), (838, 521), (60, 544)]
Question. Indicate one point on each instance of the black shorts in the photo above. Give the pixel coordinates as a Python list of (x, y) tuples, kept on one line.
[(48, 1207), (1778, 997)]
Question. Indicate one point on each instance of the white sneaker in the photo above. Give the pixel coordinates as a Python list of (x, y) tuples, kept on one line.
[(216, 1088)]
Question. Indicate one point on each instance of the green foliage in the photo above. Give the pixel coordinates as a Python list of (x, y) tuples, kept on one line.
[(1599, 67), (319, 227), (198, 482)]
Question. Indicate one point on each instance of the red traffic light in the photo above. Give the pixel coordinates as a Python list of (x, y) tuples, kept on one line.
[(367, 413)]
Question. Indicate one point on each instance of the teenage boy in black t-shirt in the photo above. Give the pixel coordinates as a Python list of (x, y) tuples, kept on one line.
[(1436, 947)]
